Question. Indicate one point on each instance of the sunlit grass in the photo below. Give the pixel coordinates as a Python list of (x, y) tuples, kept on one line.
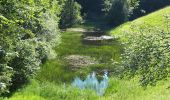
[(154, 19), (130, 90), (52, 91), (118, 90)]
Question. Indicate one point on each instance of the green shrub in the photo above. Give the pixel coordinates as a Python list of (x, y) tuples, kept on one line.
[(148, 54), (5, 73), (6, 52), (29, 31)]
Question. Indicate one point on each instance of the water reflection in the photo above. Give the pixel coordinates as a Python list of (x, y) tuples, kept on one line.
[(91, 82)]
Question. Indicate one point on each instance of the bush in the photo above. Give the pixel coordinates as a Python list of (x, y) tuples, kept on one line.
[(148, 54), (5, 73), (6, 52), (29, 31)]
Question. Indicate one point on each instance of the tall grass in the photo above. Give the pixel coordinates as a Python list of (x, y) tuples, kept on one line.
[(58, 70), (72, 44), (52, 91), (55, 71), (117, 90)]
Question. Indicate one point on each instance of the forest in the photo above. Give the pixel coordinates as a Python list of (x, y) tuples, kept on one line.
[(84, 49)]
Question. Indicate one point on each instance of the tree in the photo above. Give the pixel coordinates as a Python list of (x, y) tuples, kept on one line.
[(116, 11), (29, 31), (71, 14)]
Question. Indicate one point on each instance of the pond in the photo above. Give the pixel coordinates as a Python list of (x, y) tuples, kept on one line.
[(74, 58)]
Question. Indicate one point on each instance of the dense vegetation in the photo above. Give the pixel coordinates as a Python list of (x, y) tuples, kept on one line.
[(70, 14), (34, 52), (28, 34), (115, 12), (147, 53), (148, 6)]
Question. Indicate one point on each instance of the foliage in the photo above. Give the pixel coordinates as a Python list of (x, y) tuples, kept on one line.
[(5, 72), (118, 11), (114, 12), (70, 14), (118, 89), (91, 8), (6, 54), (148, 6), (28, 34), (133, 5), (147, 54)]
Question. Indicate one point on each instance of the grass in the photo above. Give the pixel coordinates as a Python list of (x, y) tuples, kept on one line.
[(154, 19), (55, 71), (72, 44), (130, 90), (51, 91), (58, 70), (117, 90)]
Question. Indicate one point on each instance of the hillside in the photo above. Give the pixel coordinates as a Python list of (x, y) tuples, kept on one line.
[(154, 19)]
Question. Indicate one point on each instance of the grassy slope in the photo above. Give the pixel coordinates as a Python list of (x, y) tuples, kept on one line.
[(154, 19), (159, 92), (118, 89)]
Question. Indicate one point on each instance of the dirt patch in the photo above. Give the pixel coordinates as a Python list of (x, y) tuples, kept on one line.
[(79, 61)]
